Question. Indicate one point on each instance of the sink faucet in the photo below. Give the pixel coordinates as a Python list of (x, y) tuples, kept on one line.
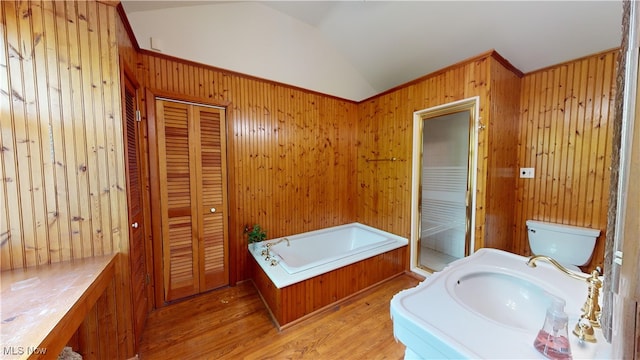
[(590, 317)]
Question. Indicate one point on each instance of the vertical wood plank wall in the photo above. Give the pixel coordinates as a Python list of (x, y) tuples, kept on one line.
[(502, 144), (566, 115), (63, 190), (385, 130), (63, 187), (575, 180), (291, 151), (297, 158)]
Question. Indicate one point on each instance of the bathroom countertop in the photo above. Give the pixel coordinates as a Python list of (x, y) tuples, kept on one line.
[(42, 307)]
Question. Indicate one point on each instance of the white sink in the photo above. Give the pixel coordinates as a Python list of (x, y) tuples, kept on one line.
[(502, 297), (488, 305)]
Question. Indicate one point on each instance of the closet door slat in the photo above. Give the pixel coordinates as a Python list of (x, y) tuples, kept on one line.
[(180, 258)]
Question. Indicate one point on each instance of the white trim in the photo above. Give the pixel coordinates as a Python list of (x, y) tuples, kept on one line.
[(626, 128)]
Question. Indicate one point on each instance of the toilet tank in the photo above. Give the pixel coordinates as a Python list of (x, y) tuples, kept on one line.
[(567, 244)]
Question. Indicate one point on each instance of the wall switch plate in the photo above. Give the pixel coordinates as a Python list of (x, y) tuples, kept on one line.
[(527, 173)]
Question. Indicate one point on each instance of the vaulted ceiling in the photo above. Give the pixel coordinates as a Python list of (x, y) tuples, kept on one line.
[(356, 49)]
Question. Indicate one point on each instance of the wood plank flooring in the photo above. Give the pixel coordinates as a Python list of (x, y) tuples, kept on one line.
[(233, 323)]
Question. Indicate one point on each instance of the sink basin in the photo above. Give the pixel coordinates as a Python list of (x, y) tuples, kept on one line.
[(489, 305), (505, 299)]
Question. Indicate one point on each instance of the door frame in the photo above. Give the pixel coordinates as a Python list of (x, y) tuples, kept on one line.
[(471, 104), (127, 75), (150, 97)]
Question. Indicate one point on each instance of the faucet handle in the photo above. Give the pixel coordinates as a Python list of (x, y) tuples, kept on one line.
[(584, 330), (594, 278)]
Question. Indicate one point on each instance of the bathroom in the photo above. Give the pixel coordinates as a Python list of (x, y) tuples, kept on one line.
[(284, 140)]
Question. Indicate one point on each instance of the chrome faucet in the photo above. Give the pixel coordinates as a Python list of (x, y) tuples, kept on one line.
[(590, 317)]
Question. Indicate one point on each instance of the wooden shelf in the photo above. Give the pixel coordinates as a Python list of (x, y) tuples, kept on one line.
[(41, 308)]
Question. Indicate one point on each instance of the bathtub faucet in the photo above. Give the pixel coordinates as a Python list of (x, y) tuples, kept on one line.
[(590, 317), (269, 245), (265, 252)]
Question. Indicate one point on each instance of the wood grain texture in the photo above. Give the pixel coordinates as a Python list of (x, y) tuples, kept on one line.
[(299, 300), (128, 55), (296, 158), (385, 131), (43, 306), (63, 172), (291, 152), (240, 323), (566, 115), (382, 190), (503, 127), (138, 210), (98, 334), (190, 188)]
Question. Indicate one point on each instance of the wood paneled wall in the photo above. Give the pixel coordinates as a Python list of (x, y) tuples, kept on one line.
[(385, 128), (561, 125), (566, 116), (127, 46), (502, 144), (63, 183), (297, 158), (291, 151), (63, 188)]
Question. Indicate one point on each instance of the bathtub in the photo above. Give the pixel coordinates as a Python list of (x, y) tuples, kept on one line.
[(316, 252), (318, 268)]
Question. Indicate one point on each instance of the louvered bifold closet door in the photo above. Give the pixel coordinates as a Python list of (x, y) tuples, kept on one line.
[(137, 231), (212, 175), (178, 192)]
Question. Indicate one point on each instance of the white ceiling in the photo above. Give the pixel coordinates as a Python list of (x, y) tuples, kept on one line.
[(386, 43)]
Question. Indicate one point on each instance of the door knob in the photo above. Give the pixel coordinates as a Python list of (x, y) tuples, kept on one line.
[(134, 225), (213, 210)]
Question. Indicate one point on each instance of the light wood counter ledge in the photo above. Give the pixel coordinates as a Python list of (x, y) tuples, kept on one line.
[(41, 308)]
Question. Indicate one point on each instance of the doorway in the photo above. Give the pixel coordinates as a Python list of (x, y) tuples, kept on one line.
[(137, 203), (189, 189), (444, 167)]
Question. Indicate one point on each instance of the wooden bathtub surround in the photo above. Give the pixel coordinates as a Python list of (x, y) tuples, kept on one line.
[(295, 302), (44, 308)]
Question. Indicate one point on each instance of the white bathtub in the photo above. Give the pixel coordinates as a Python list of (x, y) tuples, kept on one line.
[(316, 252)]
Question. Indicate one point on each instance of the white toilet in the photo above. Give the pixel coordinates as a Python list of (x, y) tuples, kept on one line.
[(571, 246)]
